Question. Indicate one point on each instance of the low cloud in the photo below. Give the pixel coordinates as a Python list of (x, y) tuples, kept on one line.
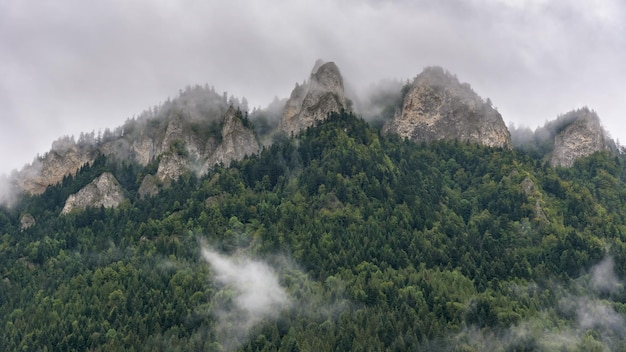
[(251, 293), (603, 278), (8, 190), (581, 320), (597, 314)]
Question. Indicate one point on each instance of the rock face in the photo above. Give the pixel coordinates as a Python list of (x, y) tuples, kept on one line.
[(188, 134), (65, 158), (103, 191), (437, 106), (238, 141), (580, 134), (27, 221), (315, 99)]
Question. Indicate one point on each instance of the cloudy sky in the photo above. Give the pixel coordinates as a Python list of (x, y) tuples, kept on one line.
[(71, 66)]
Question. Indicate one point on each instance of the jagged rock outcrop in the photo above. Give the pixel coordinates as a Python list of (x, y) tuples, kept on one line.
[(27, 221), (171, 167), (65, 158), (579, 134), (437, 106), (237, 141), (104, 191), (184, 134), (315, 99)]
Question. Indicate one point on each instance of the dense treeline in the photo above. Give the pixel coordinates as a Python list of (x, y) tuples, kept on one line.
[(398, 246)]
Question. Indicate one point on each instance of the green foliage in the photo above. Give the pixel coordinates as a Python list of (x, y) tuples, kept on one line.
[(424, 241)]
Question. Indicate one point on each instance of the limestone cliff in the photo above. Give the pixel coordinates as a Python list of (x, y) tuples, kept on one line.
[(182, 132), (65, 158), (437, 106), (579, 134), (315, 99), (27, 221), (103, 191), (237, 141)]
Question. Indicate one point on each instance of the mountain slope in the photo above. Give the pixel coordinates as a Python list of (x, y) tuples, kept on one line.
[(397, 246)]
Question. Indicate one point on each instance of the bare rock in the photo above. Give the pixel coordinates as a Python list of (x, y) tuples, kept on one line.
[(580, 134), (172, 166), (104, 191), (314, 100), (238, 141), (144, 149), (438, 107), (65, 158), (27, 221)]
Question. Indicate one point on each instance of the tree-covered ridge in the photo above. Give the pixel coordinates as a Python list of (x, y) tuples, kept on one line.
[(393, 245)]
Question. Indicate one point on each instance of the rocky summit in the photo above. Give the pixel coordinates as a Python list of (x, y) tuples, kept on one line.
[(238, 140), (315, 99), (438, 107), (580, 134)]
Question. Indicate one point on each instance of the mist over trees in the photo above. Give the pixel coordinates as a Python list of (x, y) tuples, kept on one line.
[(379, 101)]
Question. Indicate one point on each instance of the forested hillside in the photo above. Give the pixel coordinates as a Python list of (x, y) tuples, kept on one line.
[(376, 243)]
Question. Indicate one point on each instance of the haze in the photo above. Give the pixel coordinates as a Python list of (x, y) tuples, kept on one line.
[(73, 66)]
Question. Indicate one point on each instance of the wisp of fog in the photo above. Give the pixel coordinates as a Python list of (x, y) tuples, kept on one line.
[(256, 295)]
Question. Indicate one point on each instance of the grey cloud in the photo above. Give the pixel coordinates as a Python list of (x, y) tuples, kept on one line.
[(72, 66)]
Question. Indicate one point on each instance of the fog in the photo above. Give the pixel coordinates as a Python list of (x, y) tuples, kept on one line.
[(254, 294), (584, 318)]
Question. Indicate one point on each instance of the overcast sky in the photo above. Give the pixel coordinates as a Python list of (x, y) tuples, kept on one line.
[(71, 66)]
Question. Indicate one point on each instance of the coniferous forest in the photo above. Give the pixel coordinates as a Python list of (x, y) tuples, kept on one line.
[(376, 243)]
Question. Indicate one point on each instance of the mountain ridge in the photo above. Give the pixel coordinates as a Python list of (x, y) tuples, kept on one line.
[(201, 128)]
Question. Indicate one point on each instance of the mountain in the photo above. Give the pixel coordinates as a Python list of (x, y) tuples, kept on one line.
[(200, 128), (439, 107), (178, 231), (340, 239), (312, 101), (191, 133)]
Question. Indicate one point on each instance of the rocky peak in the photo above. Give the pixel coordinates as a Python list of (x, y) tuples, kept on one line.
[(437, 106), (579, 134), (315, 99), (238, 140), (104, 191)]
